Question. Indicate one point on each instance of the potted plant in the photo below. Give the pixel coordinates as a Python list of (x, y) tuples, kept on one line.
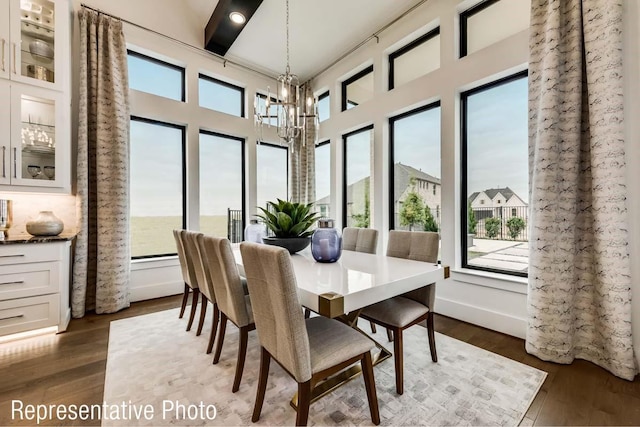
[(290, 223)]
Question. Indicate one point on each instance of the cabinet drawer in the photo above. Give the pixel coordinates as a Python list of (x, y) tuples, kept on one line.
[(28, 313), (25, 280), (22, 253)]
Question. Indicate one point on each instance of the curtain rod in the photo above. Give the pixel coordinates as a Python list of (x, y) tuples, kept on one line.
[(368, 39), (224, 60)]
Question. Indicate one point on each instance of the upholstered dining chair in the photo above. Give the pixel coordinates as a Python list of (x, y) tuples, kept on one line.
[(195, 255), (233, 304), (188, 276), (308, 350), (399, 313)]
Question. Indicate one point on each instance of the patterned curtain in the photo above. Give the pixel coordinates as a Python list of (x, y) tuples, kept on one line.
[(101, 264), (302, 170), (579, 275)]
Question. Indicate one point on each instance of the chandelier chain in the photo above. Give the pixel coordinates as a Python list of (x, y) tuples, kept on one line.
[(287, 26)]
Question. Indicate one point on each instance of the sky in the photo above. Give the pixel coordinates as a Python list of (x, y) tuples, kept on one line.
[(497, 148)]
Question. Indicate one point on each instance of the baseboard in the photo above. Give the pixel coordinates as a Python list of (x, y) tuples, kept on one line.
[(158, 290), (501, 322)]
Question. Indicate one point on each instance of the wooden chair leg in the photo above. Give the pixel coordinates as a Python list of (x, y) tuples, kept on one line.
[(389, 335), (185, 298), (304, 400), (194, 306), (373, 327), (370, 386), (221, 332), (307, 313), (242, 353), (203, 313), (214, 328), (398, 356), (432, 337), (265, 358)]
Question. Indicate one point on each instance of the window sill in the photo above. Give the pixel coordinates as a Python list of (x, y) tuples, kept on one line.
[(503, 282), (151, 263)]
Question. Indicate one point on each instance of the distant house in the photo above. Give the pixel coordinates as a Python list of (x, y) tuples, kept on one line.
[(498, 203)]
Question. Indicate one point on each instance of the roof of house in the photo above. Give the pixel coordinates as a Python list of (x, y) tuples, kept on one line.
[(492, 193), (402, 176)]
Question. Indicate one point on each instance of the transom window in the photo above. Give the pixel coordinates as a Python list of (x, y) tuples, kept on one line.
[(416, 59), (357, 89), (220, 96), (151, 75)]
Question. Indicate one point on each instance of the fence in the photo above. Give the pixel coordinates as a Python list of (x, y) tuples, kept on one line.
[(503, 213), (234, 225)]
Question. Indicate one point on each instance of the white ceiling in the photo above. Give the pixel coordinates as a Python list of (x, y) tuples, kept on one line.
[(320, 31)]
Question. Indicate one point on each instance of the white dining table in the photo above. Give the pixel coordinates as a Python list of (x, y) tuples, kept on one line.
[(356, 280)]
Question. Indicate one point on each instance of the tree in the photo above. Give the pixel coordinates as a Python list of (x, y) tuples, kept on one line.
[(492, 227), (515, 224), (412, 211), (472, 222), (429, 221), (362, 220)]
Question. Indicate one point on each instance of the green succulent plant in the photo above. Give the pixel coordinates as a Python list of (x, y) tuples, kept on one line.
[(288, 219)]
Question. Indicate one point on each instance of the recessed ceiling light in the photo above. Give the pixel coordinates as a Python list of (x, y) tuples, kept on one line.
[(237, 17)]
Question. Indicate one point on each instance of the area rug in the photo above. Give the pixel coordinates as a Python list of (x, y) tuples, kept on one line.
[(154, 364)]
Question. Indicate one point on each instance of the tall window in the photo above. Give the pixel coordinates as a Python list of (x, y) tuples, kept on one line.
[(272, 173), (492, 21), (157, 173), (323, 179), (222, 187), (220, 96), (156, 77), (416, 59), (357, 184), (324, 109), (495, 181), (415, 186), (357, 89)]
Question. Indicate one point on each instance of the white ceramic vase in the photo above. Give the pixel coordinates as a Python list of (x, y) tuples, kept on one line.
[(45, 224)]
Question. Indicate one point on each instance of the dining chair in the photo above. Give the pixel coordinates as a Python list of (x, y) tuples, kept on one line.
[(188, 276), (308, 350), (399, 313), (195, 254), (232, 302)]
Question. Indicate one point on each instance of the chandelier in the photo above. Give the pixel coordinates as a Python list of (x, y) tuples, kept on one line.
[(295, 107)]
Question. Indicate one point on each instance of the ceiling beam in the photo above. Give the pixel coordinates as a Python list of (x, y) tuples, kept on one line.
[(221, 32)]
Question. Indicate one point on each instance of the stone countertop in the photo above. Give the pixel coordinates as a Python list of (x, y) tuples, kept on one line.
[(7, 239)]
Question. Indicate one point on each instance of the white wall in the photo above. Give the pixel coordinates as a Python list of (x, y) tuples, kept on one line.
[(494, 301)]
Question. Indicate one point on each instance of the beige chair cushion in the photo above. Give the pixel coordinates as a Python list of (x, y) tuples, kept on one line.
[(332, 342), (360, 239), (396, 311), (188, 274), (194, 258)]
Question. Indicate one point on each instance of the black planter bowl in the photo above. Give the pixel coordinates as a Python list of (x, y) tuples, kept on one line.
[(292, 244)]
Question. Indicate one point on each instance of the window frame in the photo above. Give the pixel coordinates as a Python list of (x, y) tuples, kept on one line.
[(163, 64), (464, 16), (392, 120), (347, 82), (210, 79), (464, 145), (344, 169), (407, 48), (156, 122), (242, 142), (320, 98), (318, 145)]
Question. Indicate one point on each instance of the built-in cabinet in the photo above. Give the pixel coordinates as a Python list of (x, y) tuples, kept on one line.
[(34, 286), (35, 132)]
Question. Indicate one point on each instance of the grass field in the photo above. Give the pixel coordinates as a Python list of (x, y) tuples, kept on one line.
[(153, 235)]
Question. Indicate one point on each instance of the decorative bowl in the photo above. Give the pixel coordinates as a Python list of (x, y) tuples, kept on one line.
[(34, 170), (45, 224), (41, 48), (50, 171)]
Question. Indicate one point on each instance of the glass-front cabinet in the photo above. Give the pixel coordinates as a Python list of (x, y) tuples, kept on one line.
[(29, 152), (33, 35)]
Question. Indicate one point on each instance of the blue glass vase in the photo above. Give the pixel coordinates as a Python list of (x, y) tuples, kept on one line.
[(326, 242)]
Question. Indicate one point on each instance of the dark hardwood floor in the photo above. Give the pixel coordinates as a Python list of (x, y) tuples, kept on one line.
[(69, 369)]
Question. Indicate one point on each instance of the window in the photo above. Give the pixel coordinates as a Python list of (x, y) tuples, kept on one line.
[(495, 162), (357, 89), (323, 179), (356, 209), (416, 59), (492, 21), (260, 104), (220, 96), (324, 106), (272, 173), (157, 172), (156, 77), (222, 190), (415, 158)]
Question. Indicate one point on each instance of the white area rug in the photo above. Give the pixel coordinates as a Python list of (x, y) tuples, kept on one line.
[(153, 361)]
